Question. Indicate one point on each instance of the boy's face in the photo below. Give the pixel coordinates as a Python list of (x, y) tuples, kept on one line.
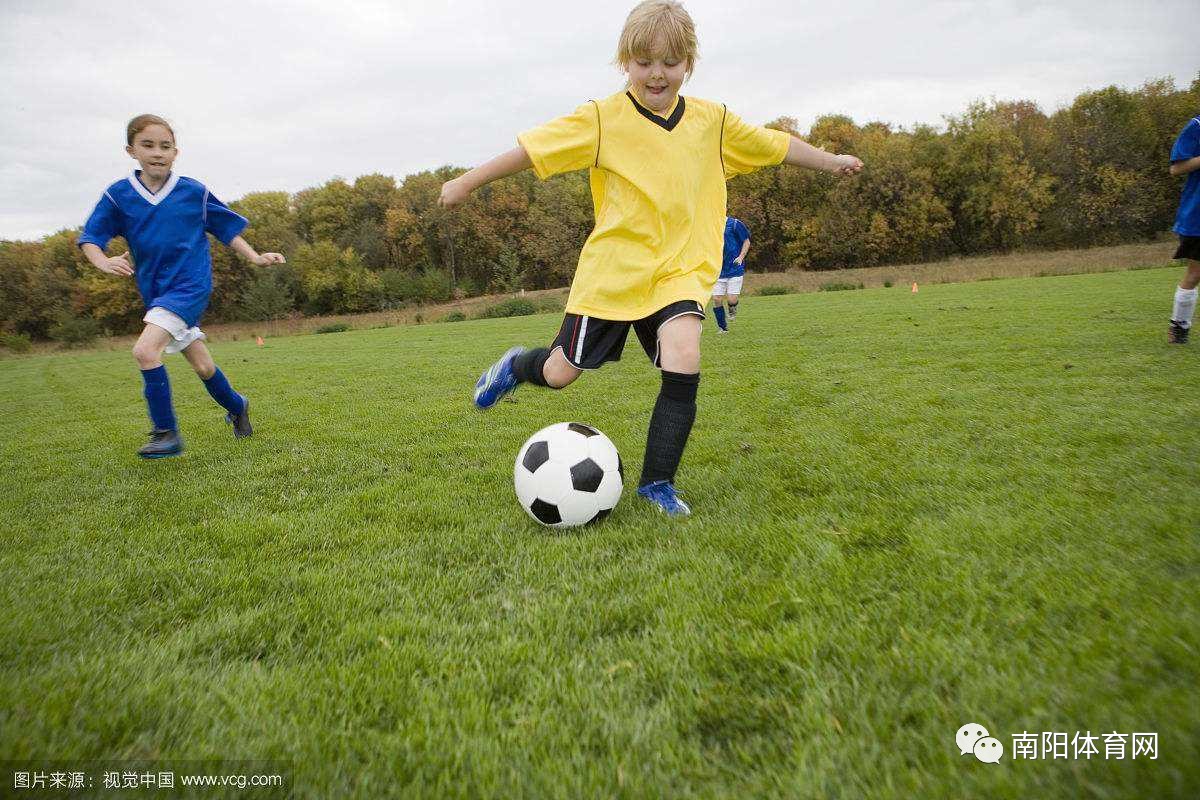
[(154, 149), (656, 79)]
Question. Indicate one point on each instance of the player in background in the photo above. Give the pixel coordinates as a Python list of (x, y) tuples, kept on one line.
[(1185, 160), (733, 268), (165, 218)]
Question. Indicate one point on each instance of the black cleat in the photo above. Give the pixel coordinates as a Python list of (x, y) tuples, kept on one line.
[(1178, 333), (163, 444), (241, 421)]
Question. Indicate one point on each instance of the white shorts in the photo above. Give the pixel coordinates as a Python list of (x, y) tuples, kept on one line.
[(173, 324), (728, 286)]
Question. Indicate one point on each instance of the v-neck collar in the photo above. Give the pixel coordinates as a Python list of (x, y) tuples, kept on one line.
[(153, 198), (667, 124)]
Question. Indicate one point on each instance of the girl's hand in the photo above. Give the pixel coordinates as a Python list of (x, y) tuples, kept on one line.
[(453, 193), (846, 165), (117, 266), (264, 259)]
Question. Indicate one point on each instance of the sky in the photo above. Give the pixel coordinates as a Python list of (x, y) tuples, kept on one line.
[(283, 96)]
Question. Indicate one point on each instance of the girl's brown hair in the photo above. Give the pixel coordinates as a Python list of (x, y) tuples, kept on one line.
[(143, 121)]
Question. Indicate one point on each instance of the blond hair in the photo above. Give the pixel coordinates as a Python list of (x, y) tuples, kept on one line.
[(658, 25), (143, 121)]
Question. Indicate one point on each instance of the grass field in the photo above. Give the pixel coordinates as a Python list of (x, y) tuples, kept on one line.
[(978, 503)]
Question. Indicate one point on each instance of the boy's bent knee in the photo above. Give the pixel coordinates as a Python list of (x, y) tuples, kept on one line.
[(559, 372)]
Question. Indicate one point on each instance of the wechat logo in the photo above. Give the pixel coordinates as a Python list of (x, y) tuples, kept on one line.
[(974, 738)]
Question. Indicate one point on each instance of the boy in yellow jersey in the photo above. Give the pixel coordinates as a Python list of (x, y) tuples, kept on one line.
[(657, 163)]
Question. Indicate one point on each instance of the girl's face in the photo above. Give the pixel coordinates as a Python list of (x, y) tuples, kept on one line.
[(656, 80), (154, 149)]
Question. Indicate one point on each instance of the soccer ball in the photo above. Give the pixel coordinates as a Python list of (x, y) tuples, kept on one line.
[(568, 474)]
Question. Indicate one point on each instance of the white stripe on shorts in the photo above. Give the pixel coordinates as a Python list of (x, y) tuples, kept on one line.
[(582, 336)]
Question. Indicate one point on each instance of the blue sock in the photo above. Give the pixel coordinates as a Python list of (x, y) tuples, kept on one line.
[(719, 313), (218, 386), (157, 391)]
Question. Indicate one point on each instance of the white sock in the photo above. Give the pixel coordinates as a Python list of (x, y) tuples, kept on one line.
[(1185, 305)]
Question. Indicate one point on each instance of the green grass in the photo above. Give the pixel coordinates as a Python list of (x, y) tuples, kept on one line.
[(976, 503)]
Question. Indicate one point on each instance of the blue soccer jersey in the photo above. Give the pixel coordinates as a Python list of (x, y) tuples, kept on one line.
[(736, 235), (166, 234), (1187, 221)]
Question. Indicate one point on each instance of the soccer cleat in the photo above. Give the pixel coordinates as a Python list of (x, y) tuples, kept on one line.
[(163, 444), (241, 421), (498, 381), (722, 330), (663, 495), (1178, 333)]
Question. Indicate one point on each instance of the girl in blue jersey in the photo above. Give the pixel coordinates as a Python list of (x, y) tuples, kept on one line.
[(164, 217)]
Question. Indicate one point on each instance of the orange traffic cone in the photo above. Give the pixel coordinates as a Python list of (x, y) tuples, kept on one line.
[(914, 287), (260, 341)]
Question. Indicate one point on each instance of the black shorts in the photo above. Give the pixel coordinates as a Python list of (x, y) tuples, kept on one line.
[(588, 342), (1189, 247)]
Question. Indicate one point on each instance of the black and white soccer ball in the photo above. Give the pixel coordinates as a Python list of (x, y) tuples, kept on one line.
[(568, 474)]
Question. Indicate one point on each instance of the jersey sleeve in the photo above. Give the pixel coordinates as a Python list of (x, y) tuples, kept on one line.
[(564, 144), (1188, 144), (743, 231), (746, 147), (220, 220), (103, 225)]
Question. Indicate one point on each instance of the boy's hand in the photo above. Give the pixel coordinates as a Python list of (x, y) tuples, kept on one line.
[(264, 259), (846, 165), (116, 266), (453, 193)]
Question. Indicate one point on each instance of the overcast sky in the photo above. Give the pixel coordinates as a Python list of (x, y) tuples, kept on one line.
[(288, 95)]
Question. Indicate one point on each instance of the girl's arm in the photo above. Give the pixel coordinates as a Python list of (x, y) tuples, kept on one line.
[(1184, 167), (802, 154), (742, 255), (459, 189), (243, 249), (113, 266)]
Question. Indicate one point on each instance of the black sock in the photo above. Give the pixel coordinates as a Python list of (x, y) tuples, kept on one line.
[(670, 425), (528, 366)]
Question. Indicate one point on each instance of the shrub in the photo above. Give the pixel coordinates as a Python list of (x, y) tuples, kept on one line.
[(17, 342), (774, 289), (269, 296), (434, 287), (887, 284), (399, 287), (454, 316), (333, 327), (75, 331), (839, 287), (515, 307)]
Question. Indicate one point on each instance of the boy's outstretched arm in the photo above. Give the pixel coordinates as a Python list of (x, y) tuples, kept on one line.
[(802, 154), (243, 249), (1184, 167), (459, 189)]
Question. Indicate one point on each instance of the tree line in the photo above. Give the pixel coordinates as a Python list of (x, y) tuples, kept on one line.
[(999, 176)]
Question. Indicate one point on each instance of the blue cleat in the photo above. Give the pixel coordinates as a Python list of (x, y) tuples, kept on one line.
[(498, 381), (163, 444), (662, 494)]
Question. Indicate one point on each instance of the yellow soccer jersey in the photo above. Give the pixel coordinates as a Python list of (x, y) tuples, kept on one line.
[(658, 190)]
